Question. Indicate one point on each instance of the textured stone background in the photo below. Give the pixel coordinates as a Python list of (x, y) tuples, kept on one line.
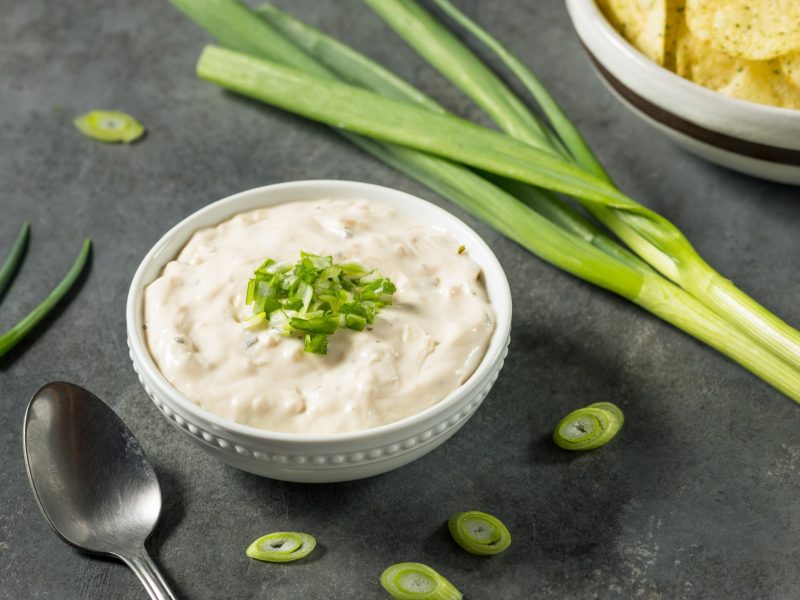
[(697, 498)]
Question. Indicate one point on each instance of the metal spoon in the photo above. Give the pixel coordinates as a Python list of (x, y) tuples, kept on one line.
[(91, 478)]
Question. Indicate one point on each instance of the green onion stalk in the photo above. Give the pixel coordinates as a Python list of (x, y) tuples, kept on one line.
[(654, 238), (276, 59)]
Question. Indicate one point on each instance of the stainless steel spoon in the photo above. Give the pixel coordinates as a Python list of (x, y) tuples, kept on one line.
[(91, 478)]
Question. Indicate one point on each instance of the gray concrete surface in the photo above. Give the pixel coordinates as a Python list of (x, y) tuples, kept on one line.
[(697, 498)]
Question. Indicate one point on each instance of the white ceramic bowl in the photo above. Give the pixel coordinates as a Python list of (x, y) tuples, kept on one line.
[(333, 457), (752, 138)]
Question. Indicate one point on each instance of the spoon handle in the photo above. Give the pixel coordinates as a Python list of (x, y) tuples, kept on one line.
[(148, 573)]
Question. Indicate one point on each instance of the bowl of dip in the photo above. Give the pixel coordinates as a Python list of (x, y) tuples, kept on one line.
[(749, 136), (380, 397)]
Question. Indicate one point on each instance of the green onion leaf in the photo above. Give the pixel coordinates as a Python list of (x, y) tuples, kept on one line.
[(442, 49), (568, 133), (415, 581), (282, 546), (279, 322), (251, 292), (479, 533), (265, 266), (270, 305), (446, 135), (316, 343), (256, 320), (355, 322), (330, 272), (316, 262), (109, 126), (325, 325), (14, 258), (587, 428), (351, 269), (14, 335)]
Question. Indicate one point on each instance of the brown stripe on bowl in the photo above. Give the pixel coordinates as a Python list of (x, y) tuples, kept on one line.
[(774, 154)]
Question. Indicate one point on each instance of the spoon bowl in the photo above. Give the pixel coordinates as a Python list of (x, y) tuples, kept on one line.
[(91, 478)]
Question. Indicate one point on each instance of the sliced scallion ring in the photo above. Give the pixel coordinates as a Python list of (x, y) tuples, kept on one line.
[(479, 533), (281, 546), (109, 126), (612, 408), (588, 428), (415, 581)]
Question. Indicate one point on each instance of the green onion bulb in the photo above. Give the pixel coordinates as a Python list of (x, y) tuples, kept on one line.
[(588, 428), (282, 546), (109, 126), (479, 533), (415, 581)]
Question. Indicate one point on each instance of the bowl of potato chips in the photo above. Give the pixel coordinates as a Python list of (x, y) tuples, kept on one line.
[(720, 77)]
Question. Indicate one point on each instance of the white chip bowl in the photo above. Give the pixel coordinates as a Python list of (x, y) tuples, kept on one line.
[(330, 457), (755, 139)]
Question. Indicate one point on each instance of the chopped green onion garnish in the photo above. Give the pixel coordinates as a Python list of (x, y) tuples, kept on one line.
[(479, 533), (256, 320), (315, 297), (415, 581), (316, 343), (588, 428), (109, 126), (14, 335), (12, 262), (282, 546)]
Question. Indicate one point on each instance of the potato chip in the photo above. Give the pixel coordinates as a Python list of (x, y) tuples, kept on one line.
[(790, 65), (762, 81), (751, 29), (673, 29), (697, 61), (641, 22), (661, 30)]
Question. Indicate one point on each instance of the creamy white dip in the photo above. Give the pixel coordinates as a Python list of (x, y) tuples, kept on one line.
[(415, 353)]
